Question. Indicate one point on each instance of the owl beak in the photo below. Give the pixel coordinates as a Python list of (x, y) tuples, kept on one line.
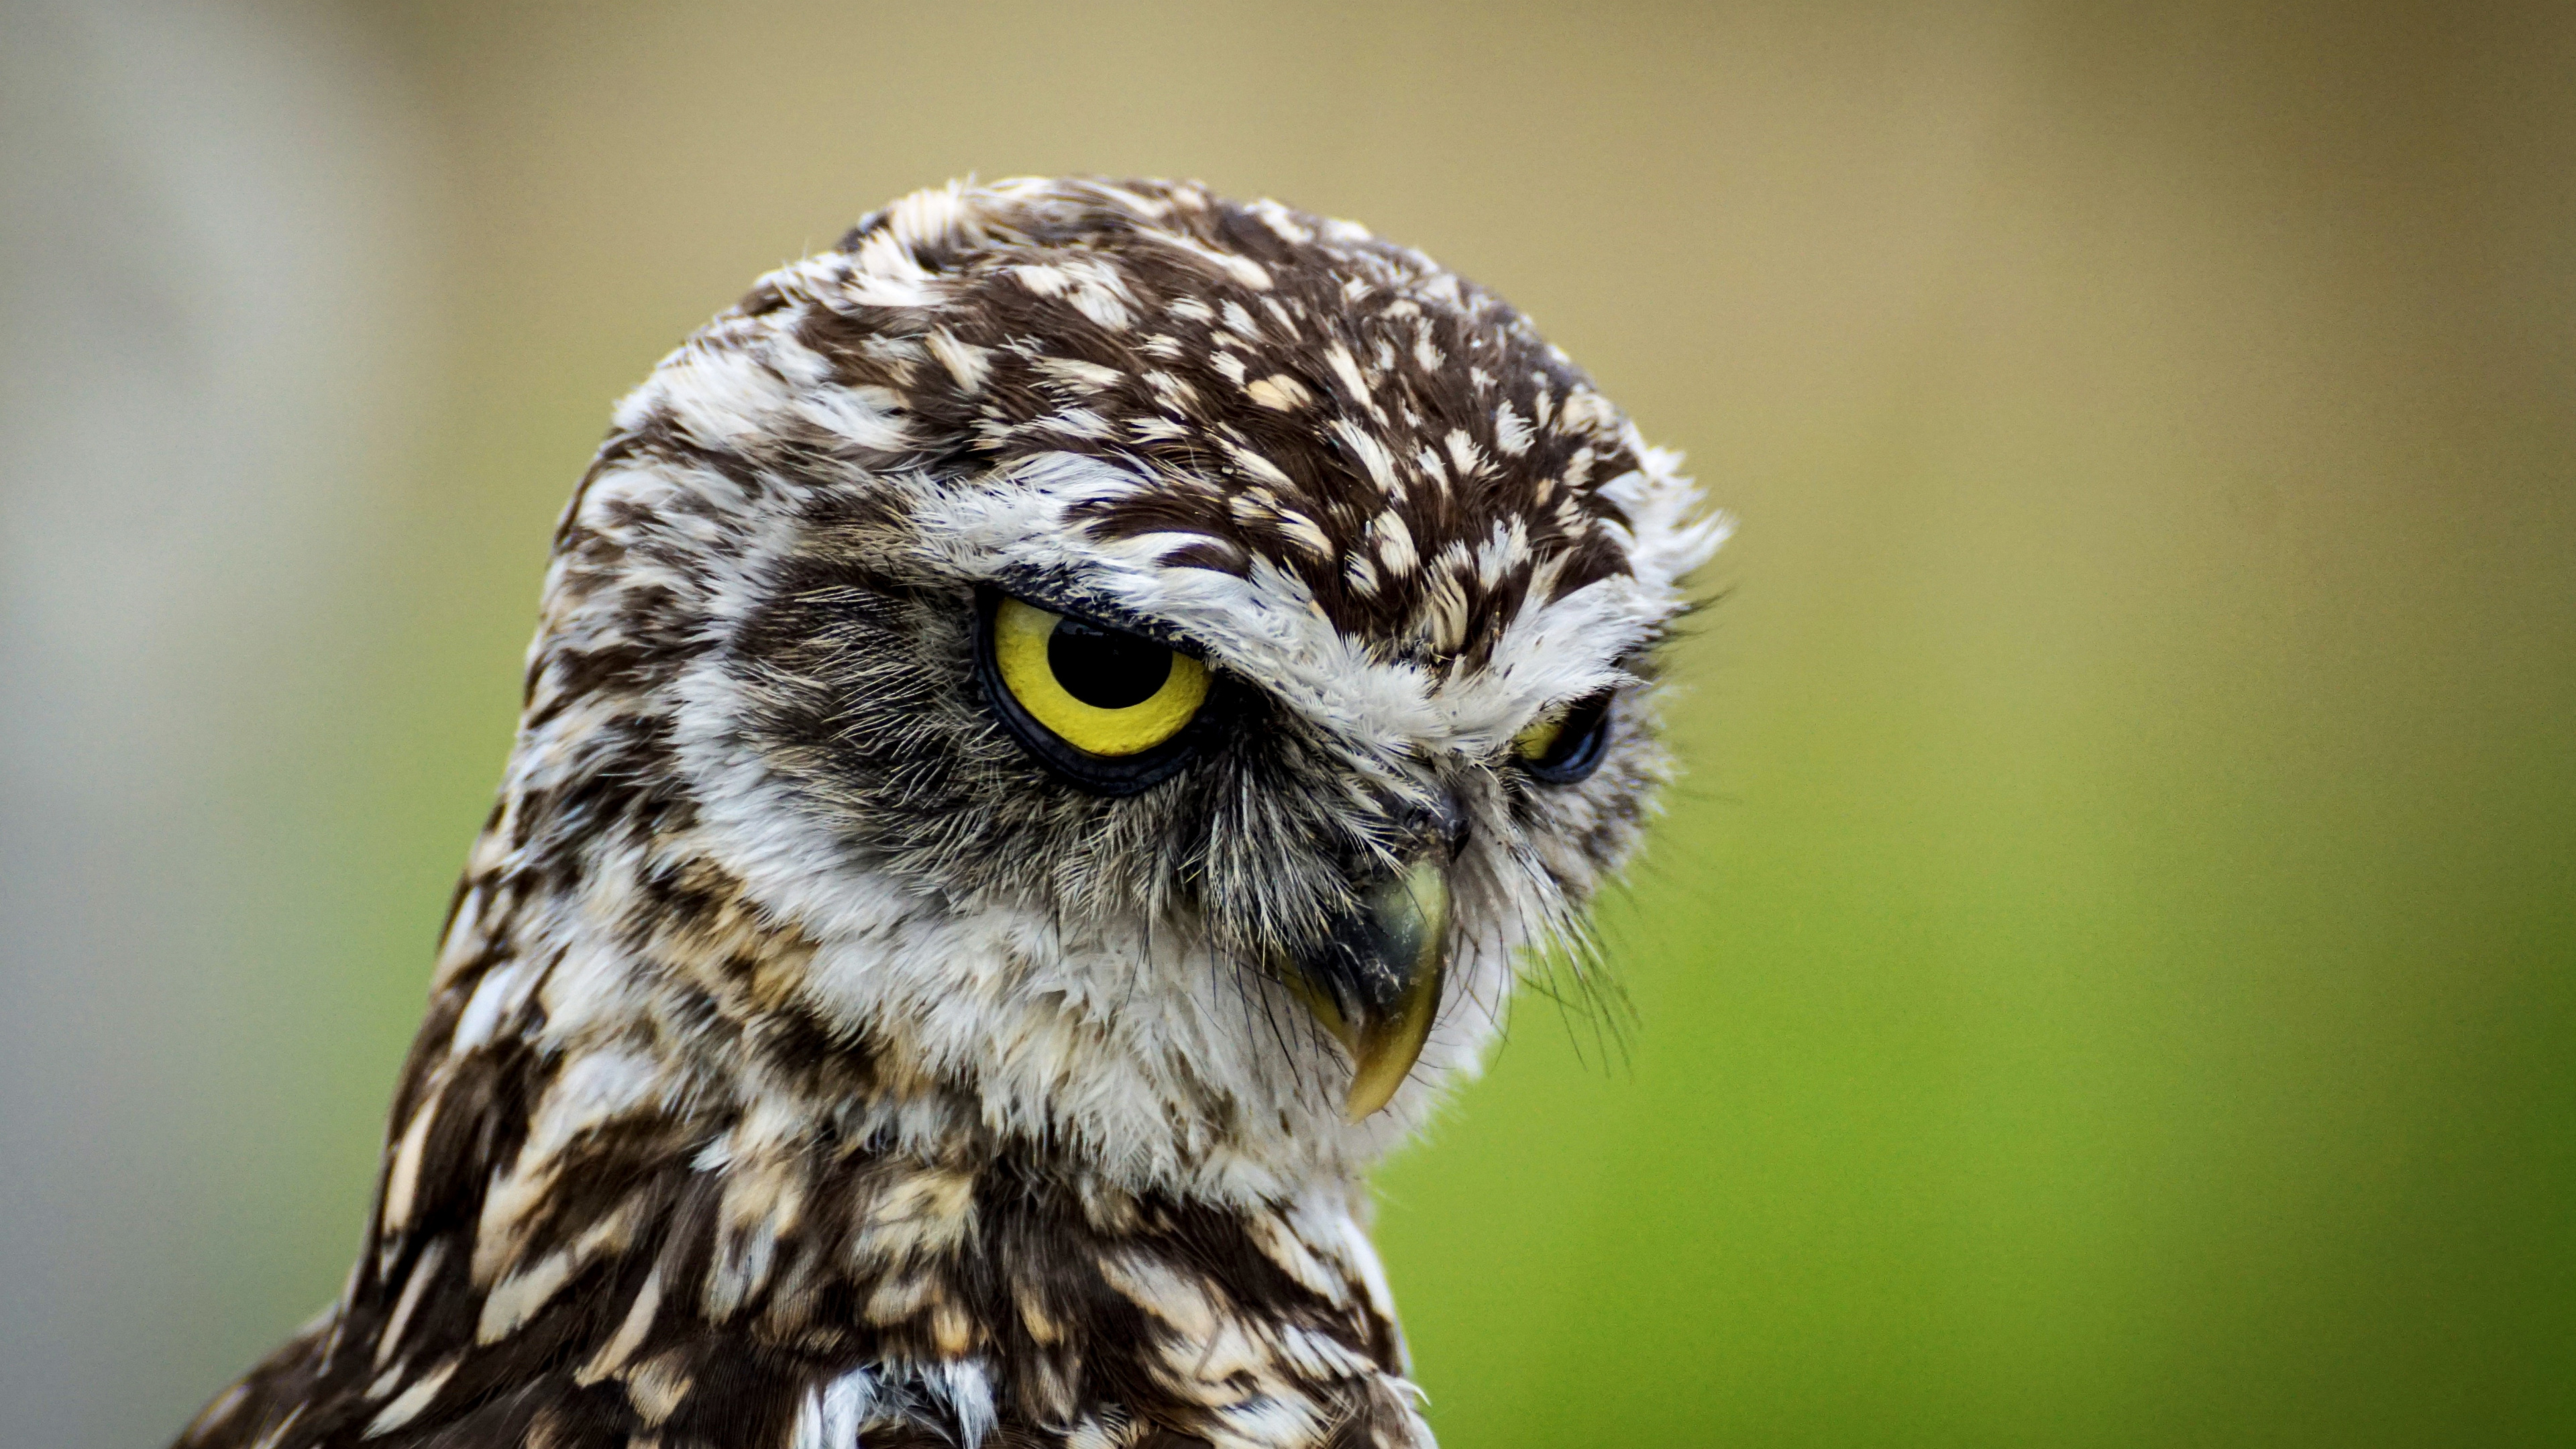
[(1376, 984)]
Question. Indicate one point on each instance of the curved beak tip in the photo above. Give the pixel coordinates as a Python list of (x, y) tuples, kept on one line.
[(1407, 921), (1384, 1051)]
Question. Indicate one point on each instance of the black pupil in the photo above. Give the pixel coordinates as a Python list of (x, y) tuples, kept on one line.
[(1106, 670), (1581, 724)]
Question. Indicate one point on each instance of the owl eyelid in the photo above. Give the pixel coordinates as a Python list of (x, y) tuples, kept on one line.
[(1042, 596)]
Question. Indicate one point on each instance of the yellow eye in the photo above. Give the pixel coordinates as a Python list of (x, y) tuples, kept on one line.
[(1103, 692), (1565, 745), (1535, 742)]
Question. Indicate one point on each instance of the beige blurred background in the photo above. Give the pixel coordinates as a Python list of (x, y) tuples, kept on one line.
[(2109, 979)]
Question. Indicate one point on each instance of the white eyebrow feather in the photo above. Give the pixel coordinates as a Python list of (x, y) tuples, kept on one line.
[(1265, 623)]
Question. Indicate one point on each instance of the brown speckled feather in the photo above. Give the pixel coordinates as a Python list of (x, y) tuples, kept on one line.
[(810, 1062)]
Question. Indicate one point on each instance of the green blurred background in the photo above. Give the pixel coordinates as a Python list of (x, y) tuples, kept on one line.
[(2109, 977)]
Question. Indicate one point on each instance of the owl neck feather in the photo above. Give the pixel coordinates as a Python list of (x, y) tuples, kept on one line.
[(631, 1182)]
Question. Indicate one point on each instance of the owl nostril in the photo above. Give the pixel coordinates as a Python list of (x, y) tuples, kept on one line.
[(1439, 824)]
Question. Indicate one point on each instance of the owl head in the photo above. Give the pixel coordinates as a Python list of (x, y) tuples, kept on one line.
[(1134, 670)]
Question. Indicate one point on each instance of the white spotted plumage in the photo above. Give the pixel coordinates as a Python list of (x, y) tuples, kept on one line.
[(811, 1059)]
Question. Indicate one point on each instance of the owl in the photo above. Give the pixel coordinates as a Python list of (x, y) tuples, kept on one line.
[(1052, 729)]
